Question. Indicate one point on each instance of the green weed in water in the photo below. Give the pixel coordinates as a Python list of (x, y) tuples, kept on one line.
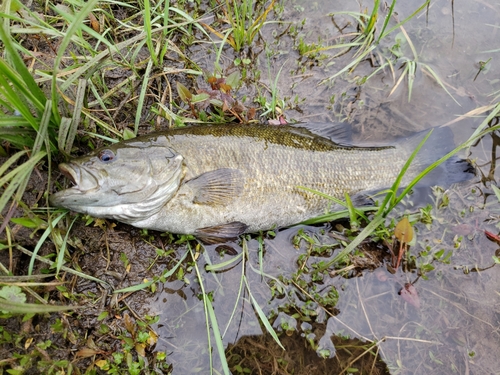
[(366, 43)]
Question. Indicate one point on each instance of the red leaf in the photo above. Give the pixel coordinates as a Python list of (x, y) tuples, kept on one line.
[(492, 237)]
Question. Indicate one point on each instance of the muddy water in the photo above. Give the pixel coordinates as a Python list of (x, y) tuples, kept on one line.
[(449, 324)]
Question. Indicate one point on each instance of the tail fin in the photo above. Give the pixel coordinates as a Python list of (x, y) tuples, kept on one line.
[(439, 143)]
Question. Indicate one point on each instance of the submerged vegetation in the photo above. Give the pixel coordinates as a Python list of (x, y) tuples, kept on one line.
[(78, 74)]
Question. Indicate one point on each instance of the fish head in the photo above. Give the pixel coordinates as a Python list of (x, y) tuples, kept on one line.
[(127, 182)]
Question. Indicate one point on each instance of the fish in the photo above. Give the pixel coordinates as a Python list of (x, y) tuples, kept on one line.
[(217, 182)]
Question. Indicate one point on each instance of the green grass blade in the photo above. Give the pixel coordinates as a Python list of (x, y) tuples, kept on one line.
[(6, 165), (31, 308), (142, 96), (149, 38), (390, 197), (350, 65), (486, 121), (323, 195), (17, 177), (189, 20), (334, 216), (75, 120), (41, 137), (21, 169), (377, 220), (10, 76), (217, 335), (338, 214), (238, 296), (74, 27), (431, 167), (62, 250), (19, 65), (147, 284), (353, 217), (386, 20), (63, 268), (205, 307), (412, 68), (496, 191), (42, 240), (64, 129), (223, 265), (261, 254), (166, 17), (12, 125), (17, 97), (372, 21), (262, 316), (335, 46), (405, 20), (438, 80)]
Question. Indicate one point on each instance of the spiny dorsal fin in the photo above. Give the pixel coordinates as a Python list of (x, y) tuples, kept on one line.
[(218, 187)]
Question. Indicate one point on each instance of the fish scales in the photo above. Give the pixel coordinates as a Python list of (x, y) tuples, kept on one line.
[(273, 172)]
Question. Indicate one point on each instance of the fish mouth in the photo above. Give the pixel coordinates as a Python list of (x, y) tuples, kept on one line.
[(84, 184), (70, 173), (82, 179)]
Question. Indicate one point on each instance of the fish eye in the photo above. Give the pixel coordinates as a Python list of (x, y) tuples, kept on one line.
[(106, 156)]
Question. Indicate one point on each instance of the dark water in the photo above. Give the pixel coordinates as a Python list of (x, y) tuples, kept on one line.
[(450, 325)]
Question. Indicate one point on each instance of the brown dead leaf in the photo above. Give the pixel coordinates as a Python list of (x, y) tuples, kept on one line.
[(225, 106), (152, 339), (225, 88), (140, 349), (251, 114), (94, 23), (87, 352), (129, 324), (28, 342)]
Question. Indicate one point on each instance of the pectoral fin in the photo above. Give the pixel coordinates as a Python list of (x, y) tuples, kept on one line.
[(221, 233), (218, 187), (363, 199)]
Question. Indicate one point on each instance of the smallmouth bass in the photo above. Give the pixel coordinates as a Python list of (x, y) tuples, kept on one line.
[(219, 181)]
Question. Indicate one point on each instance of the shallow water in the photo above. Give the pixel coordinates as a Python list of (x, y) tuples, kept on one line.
[(451, 324)]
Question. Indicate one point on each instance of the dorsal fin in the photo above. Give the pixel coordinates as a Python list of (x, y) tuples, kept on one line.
[(339, 133)]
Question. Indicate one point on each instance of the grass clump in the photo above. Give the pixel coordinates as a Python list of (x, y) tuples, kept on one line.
[(245, 18), (368, 42)]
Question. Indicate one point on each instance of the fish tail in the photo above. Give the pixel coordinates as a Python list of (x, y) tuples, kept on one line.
[(440, 142)]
